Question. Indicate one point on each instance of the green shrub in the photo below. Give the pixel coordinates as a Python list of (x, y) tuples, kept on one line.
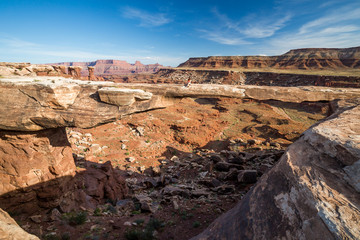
[(75, 218), (97, 212), (196, 224), (139, 221)]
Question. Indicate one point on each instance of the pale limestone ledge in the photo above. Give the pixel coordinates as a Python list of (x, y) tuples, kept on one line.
[(123, 96), (31, 104), (285, 94)]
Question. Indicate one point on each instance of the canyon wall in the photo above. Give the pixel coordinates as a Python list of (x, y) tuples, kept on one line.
[(307, 58), (233, 77), (113, 67), (180, 76)]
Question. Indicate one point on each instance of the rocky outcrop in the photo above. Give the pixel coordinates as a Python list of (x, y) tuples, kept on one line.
[(180, 76), (75, 72), (312, 193), (123, 96), (91, 73), (113, 67), (54, 103), (208, 76), (37, 167), (10, 230), (285, 94), (30, 70), (27, 69), (309, 58), (292, 80)]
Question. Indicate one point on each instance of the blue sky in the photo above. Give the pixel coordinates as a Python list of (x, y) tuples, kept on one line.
[(169, 32)]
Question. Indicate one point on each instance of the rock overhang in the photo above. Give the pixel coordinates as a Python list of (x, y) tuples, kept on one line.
[(36, 103)]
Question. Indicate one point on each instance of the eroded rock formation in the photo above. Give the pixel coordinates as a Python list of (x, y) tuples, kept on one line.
[(180, 76), (314, 188), (37, 168), (312, 193), (308, 58), (113, 67)]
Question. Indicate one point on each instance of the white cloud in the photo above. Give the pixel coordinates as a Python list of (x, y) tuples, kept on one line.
[(340, 15), (146, 19), (236, 32), (336, 29), (263, 29), (16, 43), (222, 39)]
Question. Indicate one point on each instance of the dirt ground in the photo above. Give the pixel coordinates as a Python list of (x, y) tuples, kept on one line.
[(179, 148)]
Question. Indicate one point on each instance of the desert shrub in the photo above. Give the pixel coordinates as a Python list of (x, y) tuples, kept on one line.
[(97, 212), (75, 218), (196, 224)]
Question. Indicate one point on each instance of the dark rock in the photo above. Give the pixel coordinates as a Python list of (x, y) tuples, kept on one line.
[(232, 174), (238, 160), (224, 189), (151, 182), (199, 192), (224, 166), (247, 176), (173, 191), (216, 158), (211, 183)]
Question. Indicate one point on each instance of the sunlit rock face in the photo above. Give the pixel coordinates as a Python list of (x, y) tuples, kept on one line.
[(9, 229), (312, 193)]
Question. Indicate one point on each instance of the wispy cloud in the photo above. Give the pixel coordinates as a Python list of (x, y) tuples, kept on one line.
[(253, 26), (265, 28), (337, 28), (16, 43), (146, 19), (341, 15), (239, 32), (221, 38)]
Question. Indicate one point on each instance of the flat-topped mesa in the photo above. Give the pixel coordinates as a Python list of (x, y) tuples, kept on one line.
[(308, 58), (113, 67)]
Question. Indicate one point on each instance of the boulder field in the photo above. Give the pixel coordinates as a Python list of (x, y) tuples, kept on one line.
[(312, 193), (313, 189)]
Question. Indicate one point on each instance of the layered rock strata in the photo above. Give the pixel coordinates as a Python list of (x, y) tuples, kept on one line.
[(312, 193), (307, 58), (113, 67)]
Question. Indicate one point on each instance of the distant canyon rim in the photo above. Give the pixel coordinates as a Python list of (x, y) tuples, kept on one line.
[(255, 148)]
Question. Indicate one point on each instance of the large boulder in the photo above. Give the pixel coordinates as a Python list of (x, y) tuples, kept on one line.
[(10, 230), (312, 193)]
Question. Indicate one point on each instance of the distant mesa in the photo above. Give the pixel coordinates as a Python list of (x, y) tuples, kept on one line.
[(306, 58), (113, 67)]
